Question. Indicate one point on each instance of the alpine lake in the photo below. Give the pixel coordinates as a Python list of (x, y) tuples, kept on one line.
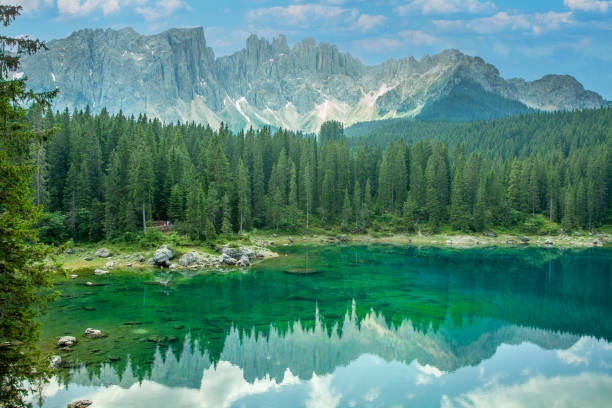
[(343, 326)]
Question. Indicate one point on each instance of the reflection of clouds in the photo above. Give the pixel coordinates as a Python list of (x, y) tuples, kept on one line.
[(322, 395), (221, 387), (586, 389), (578, 354)]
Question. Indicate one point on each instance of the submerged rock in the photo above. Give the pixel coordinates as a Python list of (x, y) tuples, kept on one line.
[(524, 239), (80, 404), (70, 251), (93, 333), (66, 341), (111, 264), (103, 253), (490, 234), (89, 258), (99, 272), (56, 362)]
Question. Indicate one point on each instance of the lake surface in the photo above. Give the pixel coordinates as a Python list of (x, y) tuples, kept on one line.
[(373, 326)]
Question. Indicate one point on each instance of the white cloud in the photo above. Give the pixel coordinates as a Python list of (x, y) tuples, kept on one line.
[(503, 21), (302, 13), (79, 7), (572, 391), (322, 395), (30, 5), (589, 5), (380, 44), (367, 22), (404, 38), (445, 6), (162, 9), (417, 37)]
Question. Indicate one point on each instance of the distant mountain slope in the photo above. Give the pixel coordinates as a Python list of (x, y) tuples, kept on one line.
[(175, 76)]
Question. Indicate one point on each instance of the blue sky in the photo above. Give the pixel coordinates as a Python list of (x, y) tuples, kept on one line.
[(523, 38)]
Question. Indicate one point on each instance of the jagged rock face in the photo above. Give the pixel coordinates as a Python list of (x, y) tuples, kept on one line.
[(175, 76)]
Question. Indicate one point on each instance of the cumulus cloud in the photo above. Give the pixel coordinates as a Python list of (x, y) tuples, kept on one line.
[(367, 22), (404, 38), (162, 9), (589, 5), (30, 5), (417, 37), (503, 21), (79, 7), (445, 6), (570, 391), (302, 13)]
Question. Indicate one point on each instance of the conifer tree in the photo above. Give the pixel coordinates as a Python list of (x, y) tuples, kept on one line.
[(293, 204), (243, 195), (25, 264)]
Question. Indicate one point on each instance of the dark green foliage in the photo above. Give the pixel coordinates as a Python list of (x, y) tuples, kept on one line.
[(209, 182), (25, 263), (470, 101)]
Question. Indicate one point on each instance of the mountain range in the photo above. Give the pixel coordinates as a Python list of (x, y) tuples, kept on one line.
[(175, 76)]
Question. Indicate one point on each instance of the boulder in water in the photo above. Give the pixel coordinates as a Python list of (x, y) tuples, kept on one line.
[(111, 264), (93, 333), (244, 261), (99, 272), (80, 404), (56, 362), (66, 341), (524, 239), (227, 260), (237, 253)]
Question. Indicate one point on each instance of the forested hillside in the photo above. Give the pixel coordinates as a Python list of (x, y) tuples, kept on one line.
[(105, 176), (519, 136)]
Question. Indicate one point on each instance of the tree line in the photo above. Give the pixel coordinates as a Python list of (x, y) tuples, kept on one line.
[(108, 176)]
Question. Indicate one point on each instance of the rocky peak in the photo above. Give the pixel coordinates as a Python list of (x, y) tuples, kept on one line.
[(174, 76)]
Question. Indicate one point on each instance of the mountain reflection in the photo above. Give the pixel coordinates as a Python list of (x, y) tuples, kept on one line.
[(305, 352)]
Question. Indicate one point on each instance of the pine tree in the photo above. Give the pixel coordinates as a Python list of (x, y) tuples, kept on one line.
[(357, 205), (308, 191), (226, 225), (293, 204), (243, 195), (25, 264), (346, 210)]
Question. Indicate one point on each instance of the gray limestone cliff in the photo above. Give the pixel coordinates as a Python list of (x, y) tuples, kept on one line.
[(175, 76)]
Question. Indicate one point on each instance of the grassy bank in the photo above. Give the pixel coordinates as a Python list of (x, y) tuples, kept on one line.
[(126, 255)]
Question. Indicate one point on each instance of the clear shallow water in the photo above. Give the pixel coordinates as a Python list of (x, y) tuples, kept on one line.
[(377, 326)]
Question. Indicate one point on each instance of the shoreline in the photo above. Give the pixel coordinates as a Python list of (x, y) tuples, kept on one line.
[(126, 257), (447, 240)]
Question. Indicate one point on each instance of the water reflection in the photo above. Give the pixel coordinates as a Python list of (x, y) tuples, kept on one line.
[(360, 362), (379, 326)]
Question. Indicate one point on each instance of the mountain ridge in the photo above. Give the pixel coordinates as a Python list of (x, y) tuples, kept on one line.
[(175, 75)]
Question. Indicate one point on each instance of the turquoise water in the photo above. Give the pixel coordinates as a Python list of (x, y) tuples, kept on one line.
[(370, 326)]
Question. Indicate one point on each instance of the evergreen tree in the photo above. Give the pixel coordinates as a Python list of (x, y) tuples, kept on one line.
[(243, 195), (293, 204), (25, 264)]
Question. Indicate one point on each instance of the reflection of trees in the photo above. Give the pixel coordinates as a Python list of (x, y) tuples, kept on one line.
[(446, 308), (317, 349)]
